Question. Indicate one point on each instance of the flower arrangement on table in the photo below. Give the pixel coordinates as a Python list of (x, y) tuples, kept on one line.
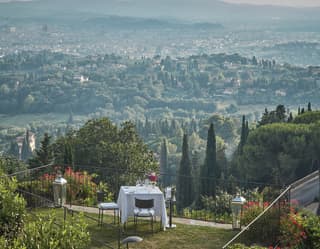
[(153, 178)]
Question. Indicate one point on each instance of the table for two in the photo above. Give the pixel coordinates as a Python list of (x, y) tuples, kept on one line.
[(126, 201)]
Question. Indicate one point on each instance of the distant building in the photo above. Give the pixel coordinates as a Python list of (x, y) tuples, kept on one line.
[(12, 29), (32, 142), (280, 93)]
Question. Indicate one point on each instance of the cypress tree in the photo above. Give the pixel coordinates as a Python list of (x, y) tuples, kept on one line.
[(68, 155), (164, 173), (243, 135), (209, 169), (185, 188), (247, 131), (43, 155), (309, 107)]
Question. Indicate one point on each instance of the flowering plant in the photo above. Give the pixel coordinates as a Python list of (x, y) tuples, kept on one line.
[(293, 234)]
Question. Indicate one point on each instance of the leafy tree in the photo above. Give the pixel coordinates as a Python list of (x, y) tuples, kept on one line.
[(209, 171), (117, 155), (276, 116), (277, 153), (185, 188)]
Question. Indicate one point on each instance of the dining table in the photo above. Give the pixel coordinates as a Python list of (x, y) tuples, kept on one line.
[(126, 201)]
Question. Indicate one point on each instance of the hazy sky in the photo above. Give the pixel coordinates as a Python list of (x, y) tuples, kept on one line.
[(296, 3)]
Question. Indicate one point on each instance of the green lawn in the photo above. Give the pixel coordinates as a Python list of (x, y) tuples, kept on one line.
[(183, 236)]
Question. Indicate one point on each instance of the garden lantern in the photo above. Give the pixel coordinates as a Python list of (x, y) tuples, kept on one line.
[(171, 198), (236, 206), (59, 191)]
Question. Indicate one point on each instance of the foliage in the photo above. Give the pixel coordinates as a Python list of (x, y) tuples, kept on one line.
[(307, 117), (164, 171), (43, 155), (225, 127), (45, 232), (276, 116), (119, 155), (207, 215), (266, 229), (12, 208), (81, 188), (185, 189), (311, 225), (10, 165), (209, 171), (244, 134), (219, 205), (278, 153), (293, 234)]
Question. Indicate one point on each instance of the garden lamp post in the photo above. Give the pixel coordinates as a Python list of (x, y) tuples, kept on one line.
[(237, 206), (170, 196), (59, 191)]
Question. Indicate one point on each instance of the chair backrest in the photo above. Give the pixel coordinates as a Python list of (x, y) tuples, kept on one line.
[(144, 203)]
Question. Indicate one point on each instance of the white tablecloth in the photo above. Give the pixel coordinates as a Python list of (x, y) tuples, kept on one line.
[(126, 201)]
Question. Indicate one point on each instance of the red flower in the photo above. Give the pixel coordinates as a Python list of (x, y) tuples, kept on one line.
[(153, 177)]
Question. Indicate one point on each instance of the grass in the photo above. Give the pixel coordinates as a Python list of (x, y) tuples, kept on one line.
[(183, 236)]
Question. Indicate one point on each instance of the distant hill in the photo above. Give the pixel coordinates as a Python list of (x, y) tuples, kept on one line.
[(118, 22), (192, 10)]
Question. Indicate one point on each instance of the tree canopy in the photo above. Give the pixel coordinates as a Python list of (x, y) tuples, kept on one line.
[(117, 155)]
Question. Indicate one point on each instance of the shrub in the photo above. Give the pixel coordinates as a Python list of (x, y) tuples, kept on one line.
[(12, 209), (311, 225), (266, 230), (293, 234), (44, 233)]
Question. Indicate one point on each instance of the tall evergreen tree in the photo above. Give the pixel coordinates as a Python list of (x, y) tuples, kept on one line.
[(243, 135), (209, 170), (68, 155), (185, 190), (43, 155), (164, 172), (247, 130), (309, 107)]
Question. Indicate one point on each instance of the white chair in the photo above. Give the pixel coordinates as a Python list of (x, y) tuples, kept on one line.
[(108, 206), (143, 208)]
